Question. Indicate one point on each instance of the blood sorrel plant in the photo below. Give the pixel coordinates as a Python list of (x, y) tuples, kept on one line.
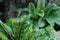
[(36, 24)]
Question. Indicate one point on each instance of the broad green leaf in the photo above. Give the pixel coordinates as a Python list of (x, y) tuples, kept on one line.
[(41, 22), (51, 14), (51, 19), (40, 4), (35, 25), (58, 20), (57, 17)]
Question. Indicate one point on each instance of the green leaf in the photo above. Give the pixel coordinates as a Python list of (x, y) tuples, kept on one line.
[(36, 26), (40, 4), (7, 29), (52, 13), (32, 38), (32, 35), (3, 36), (49, 8), (58, 20), (31, 8), (51, 19), (41, 22), (28, 33), (43, 37), (42, 31), (16, 30), (22, 19), (41, 13), (57, 13), (50, 30), (35, 13), (21, 10), (53, 37), (14, 21)]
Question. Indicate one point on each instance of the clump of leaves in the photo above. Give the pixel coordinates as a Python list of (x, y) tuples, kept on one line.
[(36, 24)]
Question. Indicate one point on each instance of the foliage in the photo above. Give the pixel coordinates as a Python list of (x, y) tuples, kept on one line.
[(36, 24)]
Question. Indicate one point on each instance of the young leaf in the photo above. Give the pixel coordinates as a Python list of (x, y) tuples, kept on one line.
[(41, 13), (31, 8), (40, 4)]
